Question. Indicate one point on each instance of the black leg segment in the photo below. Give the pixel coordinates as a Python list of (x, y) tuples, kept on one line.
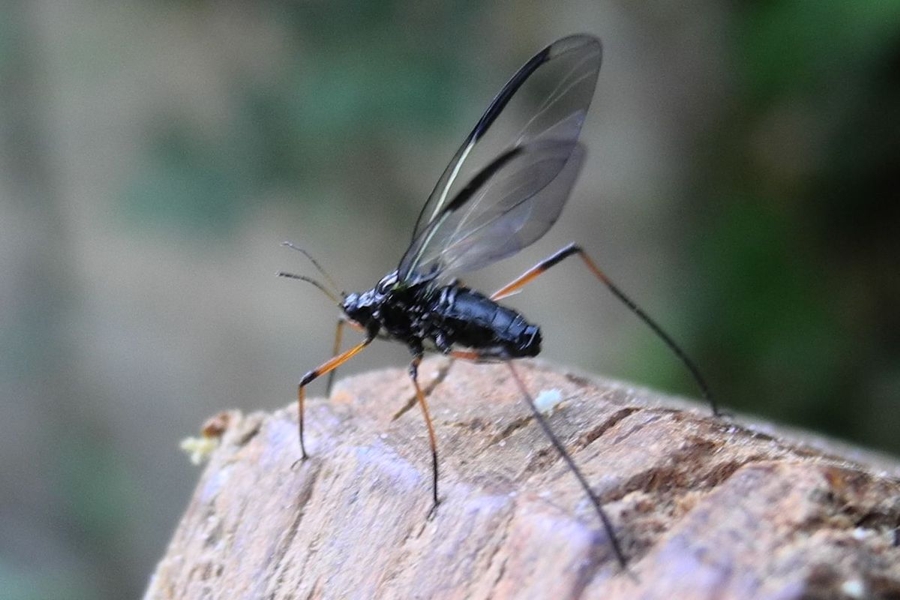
[(567, 458), (571, 249)]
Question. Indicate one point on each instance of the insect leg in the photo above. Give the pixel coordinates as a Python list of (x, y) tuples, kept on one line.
[(326, 367), (338, 335), (471, 355), (420, 396), (436, 381), (571, 249), (567, 458)]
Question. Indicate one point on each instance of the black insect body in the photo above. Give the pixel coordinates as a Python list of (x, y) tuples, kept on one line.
[(448, 317), (470, 319), (500, 193)]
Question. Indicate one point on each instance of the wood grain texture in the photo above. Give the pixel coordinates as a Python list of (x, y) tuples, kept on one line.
[(704, 508)]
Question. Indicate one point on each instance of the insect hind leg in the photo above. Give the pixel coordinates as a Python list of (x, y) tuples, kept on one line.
[(567, 251), (567, 458)]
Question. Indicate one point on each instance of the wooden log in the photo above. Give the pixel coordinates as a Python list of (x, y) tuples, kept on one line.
[(703, 507)]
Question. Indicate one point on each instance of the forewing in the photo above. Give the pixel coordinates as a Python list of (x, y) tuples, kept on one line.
[(510, 204), (550, 94)]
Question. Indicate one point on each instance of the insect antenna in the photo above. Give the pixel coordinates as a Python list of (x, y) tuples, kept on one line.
[(334, 297), (316, 264)]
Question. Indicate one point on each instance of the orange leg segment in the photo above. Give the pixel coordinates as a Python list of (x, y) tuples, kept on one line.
[(338, 336), (324, 369), (466, 355), (432, 440)]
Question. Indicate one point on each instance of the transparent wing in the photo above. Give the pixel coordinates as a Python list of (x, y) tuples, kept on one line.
[(510, 204), (550, 94)]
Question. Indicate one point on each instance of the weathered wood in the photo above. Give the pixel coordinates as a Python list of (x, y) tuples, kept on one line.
[(704, 508)]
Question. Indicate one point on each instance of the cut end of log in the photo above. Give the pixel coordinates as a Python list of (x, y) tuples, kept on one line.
[(703, 507)]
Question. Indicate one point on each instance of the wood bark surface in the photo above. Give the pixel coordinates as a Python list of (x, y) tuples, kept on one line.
[(703, 507)]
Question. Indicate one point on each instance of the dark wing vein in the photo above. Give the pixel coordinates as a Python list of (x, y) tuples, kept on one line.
[(487, 191)]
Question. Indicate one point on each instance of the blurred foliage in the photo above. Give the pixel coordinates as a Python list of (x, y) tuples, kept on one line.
[(798, 240), (186, 184), (330, 98), (19, 584)]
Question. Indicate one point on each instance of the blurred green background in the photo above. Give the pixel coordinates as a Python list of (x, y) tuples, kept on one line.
[(742, 183)]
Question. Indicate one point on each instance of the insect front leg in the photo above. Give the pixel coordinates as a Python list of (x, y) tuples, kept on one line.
[(323, 369), (338, 336), (532, 273), (420, 396)]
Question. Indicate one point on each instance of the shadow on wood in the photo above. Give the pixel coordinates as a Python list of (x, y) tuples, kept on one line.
[(704, 507)]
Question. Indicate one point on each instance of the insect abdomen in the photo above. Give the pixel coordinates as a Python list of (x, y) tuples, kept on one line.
[(475, 321)]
